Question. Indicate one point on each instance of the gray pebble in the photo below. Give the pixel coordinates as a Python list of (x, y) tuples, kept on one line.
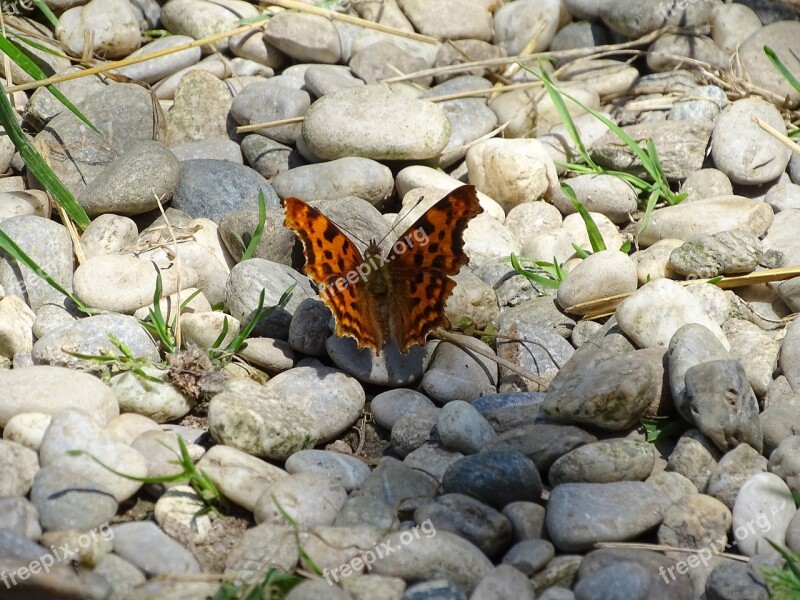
[(348, 470), (66, 499), (462, 428), (147, 547)]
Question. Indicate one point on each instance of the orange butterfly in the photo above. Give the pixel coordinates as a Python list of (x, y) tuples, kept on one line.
[(401, 296)]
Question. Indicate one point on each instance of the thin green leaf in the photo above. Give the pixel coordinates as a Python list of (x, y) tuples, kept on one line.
[(48, 14), (38, 167), (159, 479), (22, 60), (534, 277), (715, 280), (626, 246), (262, 217), (648, 211), (778, 64), (595, 237), (580, 251)]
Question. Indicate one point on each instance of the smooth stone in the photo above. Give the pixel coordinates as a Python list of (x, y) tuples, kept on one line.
[(625, 580), (27, 429), (198, 19), (731, 24), (726, 253), (527, 520), (211, 188), (274, 356), (19, 203), (723, 405), (329, 547), (446, 19), (177, 512), (529, 556), (779, 422), (268, 157), (573, 224), (681, 147), (111, 24), (697, 521), (397, 485), (16, 322), (695, 457), (737, 159), (264, 101), (779, 36), (388, 407), (351, 176), (360, 511), (240, 477), (707, 216), (133, 183), (200, 112), (513, 24), (154, 70), (667, 51), (706, 183), (512, 171), (245, 283), (601, 388), (304, 37), (637, 19), (704, 106), (734, 579), (781, 239), (442, 555), (334, 399), (43, 106), (756, 351), (602, 274), (470, 120), (508, 410), (274, 429), (162, 589), (67, 499), (651, 315), (673, 486), (276, 244), (121, 574), (48, 390), (789, 360), (147, 547), (19, 465), (47, 244), (581, 514), (432, 459), (74, 429), (457, 372), (604, 194), (471, 519), (108, 234), (310, 499), (738, 465), (413, 430), (543, 443), (409, 129), (327, 79), (119, 109), (604, 462), (205, 329), (763, 510), (347, 470), (123, 283), (498, 477), (462, 428), (90, 336), (19, 515), (260, 547), (371, 63)]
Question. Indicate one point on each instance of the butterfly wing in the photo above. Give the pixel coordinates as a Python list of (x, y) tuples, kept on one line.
[(421, 262), (330, 258)]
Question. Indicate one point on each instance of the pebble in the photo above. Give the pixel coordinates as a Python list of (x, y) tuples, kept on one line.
[(148, 548), (67, 499), (310, 499), (738, 465), (698, 521), (504, 583), (19, 465), (111, 24), (48, 390), (425, 557), (602, 274), (602, 462), (388, 407), (498, 477), (178, 513), (414, 430), (261, 546), (462, 428), (431, 459), (543, 443), (74, 429), (347, 470), (459, 373), (763, 510), (469, 518), (408, 129), (581, 514), (529, 556), (19, 515), (695, 457), (726, 253), (397, 485)]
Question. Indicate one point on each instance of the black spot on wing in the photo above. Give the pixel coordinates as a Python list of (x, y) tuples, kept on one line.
[(329, 255), (330, 232)]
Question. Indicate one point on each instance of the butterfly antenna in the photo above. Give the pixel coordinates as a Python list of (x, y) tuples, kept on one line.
[(399, 218)]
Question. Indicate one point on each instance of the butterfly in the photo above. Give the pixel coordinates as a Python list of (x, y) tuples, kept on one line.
[(399, 296)]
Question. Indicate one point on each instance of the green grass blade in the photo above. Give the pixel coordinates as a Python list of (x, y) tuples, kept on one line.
[(262, 217), (776, 62), (534, 277), (38, 167), (648, 211), (31, 68), (595, 237), (160, 479), (563, 112), (48, 14)]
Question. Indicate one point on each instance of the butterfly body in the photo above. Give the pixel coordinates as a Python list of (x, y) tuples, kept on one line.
[(398, 295)]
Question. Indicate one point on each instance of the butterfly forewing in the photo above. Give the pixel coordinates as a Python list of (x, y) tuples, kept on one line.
[(420, 263), (330, 258)]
